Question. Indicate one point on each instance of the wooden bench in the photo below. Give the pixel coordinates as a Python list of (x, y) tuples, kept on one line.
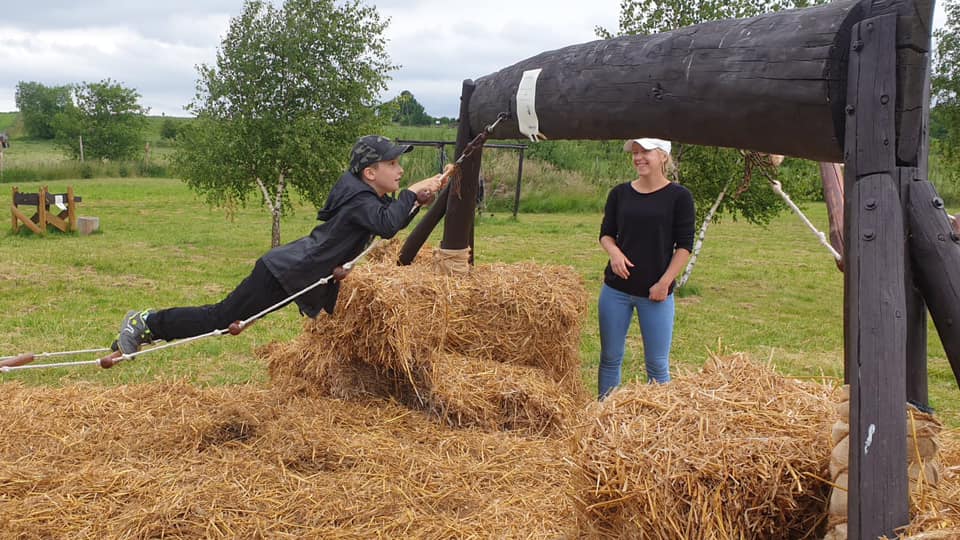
[(65, 219)]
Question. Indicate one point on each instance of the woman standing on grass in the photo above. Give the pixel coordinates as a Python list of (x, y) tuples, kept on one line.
[(647, 230)]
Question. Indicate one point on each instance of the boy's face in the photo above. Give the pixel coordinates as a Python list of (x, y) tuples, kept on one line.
[(384, 176)]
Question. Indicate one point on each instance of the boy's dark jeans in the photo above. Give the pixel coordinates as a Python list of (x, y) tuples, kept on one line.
[(257, 292)]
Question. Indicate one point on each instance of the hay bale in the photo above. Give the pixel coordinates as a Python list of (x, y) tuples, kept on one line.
[(733, 451), (493, 395), (524, 313), (458, 391), (174, 461), (925, 469), (497, 349), (935, 509)]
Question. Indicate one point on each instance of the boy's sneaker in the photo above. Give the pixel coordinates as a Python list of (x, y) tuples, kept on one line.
[(134, 332)]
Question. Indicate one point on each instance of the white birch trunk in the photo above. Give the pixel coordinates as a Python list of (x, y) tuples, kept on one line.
[(698, 245), (275, 206)]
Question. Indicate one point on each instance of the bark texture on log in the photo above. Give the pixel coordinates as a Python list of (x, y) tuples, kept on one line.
[(773, 83)]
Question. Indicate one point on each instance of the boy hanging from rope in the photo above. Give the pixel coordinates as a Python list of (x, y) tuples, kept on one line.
[(357, 209)]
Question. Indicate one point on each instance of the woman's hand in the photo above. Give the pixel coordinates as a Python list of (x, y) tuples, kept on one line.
[(659, 291), (620, 264)]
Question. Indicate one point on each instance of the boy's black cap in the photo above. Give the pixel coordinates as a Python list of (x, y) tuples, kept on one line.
[(373, 148)]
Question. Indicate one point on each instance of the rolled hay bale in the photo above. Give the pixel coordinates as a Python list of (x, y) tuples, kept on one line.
[(734, 451), (175, 461)]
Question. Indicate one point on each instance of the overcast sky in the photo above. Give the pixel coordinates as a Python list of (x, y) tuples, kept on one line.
[(155, 46)]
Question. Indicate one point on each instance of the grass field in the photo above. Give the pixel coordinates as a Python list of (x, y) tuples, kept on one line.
[(774, 293)]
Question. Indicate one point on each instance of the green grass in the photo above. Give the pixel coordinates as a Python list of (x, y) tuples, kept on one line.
[(773, 293), (7, 120)]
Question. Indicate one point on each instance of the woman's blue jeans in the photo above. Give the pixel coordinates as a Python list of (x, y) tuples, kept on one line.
[(656, 326)]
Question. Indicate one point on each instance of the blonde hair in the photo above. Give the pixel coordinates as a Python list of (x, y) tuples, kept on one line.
[(668, 167)]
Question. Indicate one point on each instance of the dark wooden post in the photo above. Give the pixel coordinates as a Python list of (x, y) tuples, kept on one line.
[(875, 331), (935, 255), (14, 222), (917, 390), (935, 249), (462, 199), (422, 231)]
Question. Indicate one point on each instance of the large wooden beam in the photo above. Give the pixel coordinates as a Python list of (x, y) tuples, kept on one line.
[(773, 83)]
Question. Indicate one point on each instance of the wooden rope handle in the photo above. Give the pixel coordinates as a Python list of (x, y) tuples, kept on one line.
[(111, 359), (235, 327), (339, 273), (18, 360)]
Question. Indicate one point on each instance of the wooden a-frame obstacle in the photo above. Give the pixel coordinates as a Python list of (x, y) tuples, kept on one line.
[(841, 82), (65, 219)]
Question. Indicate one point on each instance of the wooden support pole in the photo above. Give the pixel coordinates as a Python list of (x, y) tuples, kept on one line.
[(462, 199), (875, 306), (42, 210), (14, 222), (831, 177), (935, 248), (917, 389), (516, 196), (71, 210), (420, 233)]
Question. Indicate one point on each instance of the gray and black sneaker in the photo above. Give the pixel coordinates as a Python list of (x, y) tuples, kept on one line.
[(134, 332)]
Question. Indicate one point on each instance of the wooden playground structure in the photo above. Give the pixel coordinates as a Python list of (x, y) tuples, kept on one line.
[(841, 82)]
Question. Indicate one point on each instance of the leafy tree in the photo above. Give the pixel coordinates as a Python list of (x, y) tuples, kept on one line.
[(945, 116), (291, 90), (409, 111), (108, 117), (38, 105), (169, 128), (719, 178)]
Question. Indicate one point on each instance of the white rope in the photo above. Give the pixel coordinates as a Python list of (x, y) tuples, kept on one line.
[(242, 324), (246, 322), (778, 189), (62, 353), (5, 369)]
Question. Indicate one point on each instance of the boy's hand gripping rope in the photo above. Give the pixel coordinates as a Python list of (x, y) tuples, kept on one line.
[(453, 169), (20, 362)]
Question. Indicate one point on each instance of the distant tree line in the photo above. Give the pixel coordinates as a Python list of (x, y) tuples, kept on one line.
[(94, 120), (405, 110)]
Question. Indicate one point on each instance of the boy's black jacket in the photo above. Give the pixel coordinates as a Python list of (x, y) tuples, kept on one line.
[(352, 215)]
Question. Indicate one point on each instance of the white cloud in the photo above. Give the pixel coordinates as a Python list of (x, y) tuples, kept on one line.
[(155, 46)]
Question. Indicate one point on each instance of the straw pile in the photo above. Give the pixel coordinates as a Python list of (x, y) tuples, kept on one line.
[(171, 460), (498, 348), (735, 451), (925, 470), (935, 510)]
